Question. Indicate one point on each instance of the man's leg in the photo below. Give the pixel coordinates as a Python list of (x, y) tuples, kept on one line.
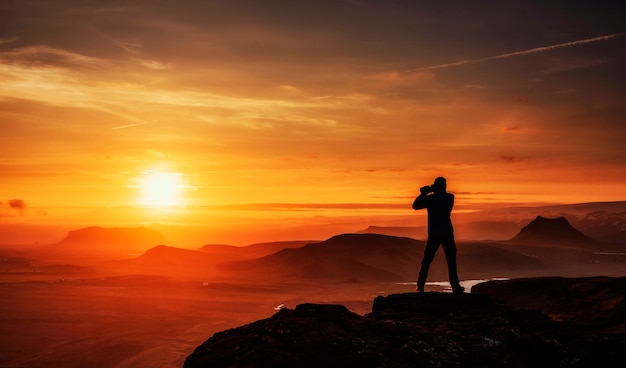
[(429, 254), (449, 248)]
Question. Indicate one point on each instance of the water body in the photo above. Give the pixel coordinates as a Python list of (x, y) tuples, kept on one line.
[(444, 286)]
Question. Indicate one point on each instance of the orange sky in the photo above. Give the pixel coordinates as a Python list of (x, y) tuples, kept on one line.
[(329, 102)]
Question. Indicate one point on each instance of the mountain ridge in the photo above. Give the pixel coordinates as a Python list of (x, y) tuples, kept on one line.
[(363, 257), (255, 249)]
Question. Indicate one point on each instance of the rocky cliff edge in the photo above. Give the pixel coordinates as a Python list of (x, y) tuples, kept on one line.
[(478, 329)]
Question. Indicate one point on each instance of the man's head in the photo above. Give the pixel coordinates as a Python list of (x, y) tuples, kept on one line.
[(439, 185)]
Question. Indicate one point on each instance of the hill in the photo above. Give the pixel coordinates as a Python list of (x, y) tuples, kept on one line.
[(172, 262), (375, 257), (350, 258), (346, 257), (428, 330), (200, 264), (556, 232), (253, 250), (115, 242)]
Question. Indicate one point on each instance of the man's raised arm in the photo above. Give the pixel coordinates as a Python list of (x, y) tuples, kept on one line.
[(421, 201)]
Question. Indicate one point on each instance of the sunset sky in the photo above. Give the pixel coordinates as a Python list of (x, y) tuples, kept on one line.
[(323, 107)]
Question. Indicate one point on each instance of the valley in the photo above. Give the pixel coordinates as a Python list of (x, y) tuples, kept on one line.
[(108, 309)]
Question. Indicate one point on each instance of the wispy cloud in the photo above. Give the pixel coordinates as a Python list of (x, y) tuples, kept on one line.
[(134, 47), (521, 53), (38, 54), (132, 125), (8, 40)]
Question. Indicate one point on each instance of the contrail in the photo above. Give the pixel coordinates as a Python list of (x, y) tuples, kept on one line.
[(132, 125), (524, 52)]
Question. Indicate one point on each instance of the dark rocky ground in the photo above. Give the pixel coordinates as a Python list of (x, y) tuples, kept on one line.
[(548, 322)]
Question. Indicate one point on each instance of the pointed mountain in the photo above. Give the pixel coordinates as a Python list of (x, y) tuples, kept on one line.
[(551, 231)]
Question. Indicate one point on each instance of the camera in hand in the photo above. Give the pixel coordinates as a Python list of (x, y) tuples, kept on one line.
[(426, 189)]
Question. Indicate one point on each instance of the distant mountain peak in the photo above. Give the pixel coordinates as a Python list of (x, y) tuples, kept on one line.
[(553, 231), (111, 240), (102, 234), (160, 249)]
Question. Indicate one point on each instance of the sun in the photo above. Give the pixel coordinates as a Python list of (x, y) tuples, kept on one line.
[(160, 189)]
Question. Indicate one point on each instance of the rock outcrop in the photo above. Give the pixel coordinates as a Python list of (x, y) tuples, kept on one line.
[(416, 330), (594, 302)]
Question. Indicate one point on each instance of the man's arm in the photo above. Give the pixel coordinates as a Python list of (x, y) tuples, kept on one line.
[(421, 201)]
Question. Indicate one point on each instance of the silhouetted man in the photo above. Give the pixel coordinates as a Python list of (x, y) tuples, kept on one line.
[(439, 205)]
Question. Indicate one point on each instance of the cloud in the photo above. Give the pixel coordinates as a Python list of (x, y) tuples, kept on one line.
[(131, 125), (237, 88), (134, 47), (310, 206), (152, 64), (41, 54), (131, 46), (17, 204), (156, 153)]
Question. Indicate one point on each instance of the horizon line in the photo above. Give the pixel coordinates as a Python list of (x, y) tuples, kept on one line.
[(327, 205)]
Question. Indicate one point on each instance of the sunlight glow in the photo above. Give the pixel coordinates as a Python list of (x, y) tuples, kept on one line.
[(162, 189)]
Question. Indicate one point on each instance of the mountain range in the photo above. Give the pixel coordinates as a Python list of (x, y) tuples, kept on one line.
[(544, 247)]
